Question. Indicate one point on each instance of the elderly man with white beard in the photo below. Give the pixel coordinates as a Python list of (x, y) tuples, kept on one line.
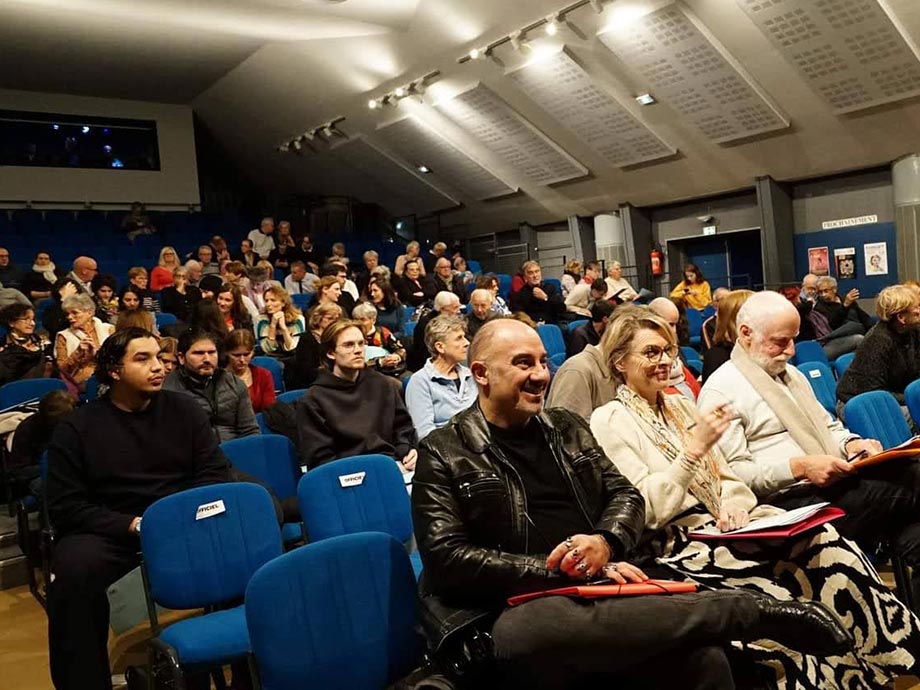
[(781, 436)]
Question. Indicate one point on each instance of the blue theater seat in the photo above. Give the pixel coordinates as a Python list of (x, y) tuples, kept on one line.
[(339, 614), (192, 562)]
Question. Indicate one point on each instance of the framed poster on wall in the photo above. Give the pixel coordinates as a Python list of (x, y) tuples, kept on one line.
[(876, 258), (818, 261), (876, 239), (845, 263)]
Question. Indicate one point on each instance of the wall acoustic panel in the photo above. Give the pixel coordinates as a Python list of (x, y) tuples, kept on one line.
[(417, 144), (392, 177), (503, 131), (560, 86), (849, 51), (686, 70)]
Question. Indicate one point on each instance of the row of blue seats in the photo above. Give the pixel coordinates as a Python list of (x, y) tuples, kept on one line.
[(353, 586), (276, 633), (359, 534)]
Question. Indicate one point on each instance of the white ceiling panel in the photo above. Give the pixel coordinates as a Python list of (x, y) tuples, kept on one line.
[(685, 68), (559, 85), (849, 51), (502, 130), (419, 144), (396, 181)]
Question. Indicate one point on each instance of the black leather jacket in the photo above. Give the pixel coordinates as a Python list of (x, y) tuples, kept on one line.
[(468, 506)]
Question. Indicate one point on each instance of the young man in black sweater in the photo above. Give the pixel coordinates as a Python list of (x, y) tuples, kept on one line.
[(108, 462), (353, 410)]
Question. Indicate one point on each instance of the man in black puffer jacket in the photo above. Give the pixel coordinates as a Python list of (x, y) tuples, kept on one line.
[(511, 498), (220, 393)]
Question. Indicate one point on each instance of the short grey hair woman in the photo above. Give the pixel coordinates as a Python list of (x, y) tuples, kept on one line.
[(75, 347), (444, 386)]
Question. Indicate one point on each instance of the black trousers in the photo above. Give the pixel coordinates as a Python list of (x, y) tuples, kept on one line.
[(881, 503), (636, 642), (83, 567)]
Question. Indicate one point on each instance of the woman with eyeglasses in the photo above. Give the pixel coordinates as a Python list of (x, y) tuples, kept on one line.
[(240, 347), (668, 450), (24, 354)]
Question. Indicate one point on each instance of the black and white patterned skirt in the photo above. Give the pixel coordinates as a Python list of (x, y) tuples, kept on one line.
[(819, 565)]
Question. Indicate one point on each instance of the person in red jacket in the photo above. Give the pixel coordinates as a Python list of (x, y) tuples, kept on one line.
[(239, 346)]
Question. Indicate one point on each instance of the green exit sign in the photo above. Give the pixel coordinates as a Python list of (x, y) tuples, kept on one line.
[(709, 229)]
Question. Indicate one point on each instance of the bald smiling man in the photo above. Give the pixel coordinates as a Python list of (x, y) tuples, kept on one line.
[(510, 498)]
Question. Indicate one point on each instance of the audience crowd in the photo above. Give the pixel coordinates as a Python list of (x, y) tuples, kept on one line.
[(526, 471)]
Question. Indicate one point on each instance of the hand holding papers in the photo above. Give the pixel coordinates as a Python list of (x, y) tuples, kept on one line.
[(781, 526)]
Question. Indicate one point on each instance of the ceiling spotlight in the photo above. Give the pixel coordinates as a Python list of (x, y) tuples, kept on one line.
[(475, 53), (515, 39), (372, 104), (424, 169), (598, 5), (400, 92), (328, 131), (645, 99), (297, 145), (552, 26)]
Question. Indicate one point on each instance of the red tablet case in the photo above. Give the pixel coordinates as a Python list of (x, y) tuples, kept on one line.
[(631, 589)]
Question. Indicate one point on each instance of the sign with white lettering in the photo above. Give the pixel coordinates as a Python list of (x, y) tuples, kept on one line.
[(210, 510), (849, 222), (356, 479)]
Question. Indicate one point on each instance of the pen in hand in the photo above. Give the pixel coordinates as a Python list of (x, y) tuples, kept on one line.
[(856, 456)]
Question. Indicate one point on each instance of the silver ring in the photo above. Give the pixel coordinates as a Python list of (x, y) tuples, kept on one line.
[(581, 567), (569, 543)]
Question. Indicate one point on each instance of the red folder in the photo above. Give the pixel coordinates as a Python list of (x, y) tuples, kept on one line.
[(610, 589), (819, 518)]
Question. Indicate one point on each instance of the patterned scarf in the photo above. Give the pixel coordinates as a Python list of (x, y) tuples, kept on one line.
[(671, 436)]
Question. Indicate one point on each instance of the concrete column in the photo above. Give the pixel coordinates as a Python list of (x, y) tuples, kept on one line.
[(905, 179), (637, 236), (776, 233)]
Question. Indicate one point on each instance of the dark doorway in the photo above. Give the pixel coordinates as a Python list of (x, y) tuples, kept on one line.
[(733, 260)]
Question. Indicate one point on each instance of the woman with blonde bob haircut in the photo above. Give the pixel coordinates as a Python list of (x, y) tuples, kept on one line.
[(888, 358), (726, 331), (669, 451), (571, 276), (280, 328)]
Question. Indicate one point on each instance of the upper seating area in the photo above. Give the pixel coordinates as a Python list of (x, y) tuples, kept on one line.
[(69, 234)]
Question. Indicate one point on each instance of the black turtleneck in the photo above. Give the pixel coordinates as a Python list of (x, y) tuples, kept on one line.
[(885, 360)]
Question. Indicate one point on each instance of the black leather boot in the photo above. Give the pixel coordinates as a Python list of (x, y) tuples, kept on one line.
[(807, 627)]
